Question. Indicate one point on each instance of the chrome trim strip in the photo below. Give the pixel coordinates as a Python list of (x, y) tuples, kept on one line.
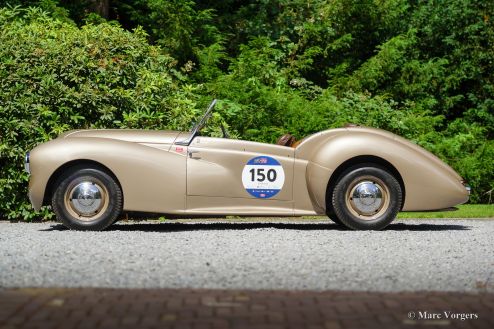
[(27, 167)]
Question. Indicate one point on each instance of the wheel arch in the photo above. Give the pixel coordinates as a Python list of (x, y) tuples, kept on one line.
[(361, 160), (83, 163)]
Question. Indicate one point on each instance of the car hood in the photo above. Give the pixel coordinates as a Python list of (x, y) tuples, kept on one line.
[(128, 135)]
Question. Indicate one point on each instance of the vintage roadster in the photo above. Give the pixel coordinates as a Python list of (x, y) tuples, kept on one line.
[(360, 177)]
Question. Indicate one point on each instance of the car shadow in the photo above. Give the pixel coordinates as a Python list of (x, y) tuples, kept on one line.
[(181, 227)]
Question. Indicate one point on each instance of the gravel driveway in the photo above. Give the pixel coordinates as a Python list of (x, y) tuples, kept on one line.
[(432, 254)]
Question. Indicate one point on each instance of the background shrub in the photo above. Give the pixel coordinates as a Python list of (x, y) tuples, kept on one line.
[(55, 77), (423, 70)]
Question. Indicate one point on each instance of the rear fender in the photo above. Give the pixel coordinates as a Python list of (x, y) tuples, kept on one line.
[(428, 182)]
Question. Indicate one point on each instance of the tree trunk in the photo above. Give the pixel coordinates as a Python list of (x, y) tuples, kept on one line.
[(100, 7)]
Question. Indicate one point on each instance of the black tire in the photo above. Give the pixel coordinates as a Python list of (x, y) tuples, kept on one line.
[(331, 214), (366, 197), (98, 203), (329, 207)]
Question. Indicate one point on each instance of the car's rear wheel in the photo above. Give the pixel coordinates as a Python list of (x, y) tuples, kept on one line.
[(87, 199), (366, 197)]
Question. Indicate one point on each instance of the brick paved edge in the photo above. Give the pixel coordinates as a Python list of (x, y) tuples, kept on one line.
[(201, 308)]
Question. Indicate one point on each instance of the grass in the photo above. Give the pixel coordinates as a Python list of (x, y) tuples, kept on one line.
[(464, 211)]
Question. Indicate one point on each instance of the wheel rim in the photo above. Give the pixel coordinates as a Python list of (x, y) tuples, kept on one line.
[(367, 197), (86, 199)]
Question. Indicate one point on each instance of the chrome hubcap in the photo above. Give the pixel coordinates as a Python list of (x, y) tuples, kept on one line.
[(86, 198), (367, 198)]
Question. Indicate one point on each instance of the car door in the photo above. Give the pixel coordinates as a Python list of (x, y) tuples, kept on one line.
[(220, 170)]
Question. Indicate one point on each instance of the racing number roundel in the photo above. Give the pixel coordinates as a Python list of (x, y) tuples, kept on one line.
[(263, 177)]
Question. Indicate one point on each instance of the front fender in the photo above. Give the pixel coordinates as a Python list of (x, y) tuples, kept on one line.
[(429, 183), (152, 178)]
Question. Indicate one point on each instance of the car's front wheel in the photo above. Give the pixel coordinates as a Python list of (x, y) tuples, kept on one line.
[(87, 199), (366, 197)]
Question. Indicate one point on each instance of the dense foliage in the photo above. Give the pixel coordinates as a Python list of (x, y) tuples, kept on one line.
[(421, 69), (55, 77)]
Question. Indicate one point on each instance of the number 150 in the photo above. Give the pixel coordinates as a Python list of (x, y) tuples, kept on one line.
[(261, 175)]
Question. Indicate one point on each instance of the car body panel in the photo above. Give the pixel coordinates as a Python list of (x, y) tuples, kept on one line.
[(159, 173), (214, 184), (128, 135), (139, 169), (214, 170), (200, 205), (429, 183)]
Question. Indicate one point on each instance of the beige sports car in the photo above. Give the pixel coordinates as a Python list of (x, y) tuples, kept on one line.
[(360, 177)]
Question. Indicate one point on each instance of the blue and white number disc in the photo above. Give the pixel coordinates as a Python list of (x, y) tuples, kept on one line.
[(263, 177)]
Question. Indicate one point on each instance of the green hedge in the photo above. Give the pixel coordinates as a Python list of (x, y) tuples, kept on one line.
[(256, 88), (55, 76)]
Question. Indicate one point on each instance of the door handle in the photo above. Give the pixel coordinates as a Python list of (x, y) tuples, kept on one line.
[(193, 152)]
